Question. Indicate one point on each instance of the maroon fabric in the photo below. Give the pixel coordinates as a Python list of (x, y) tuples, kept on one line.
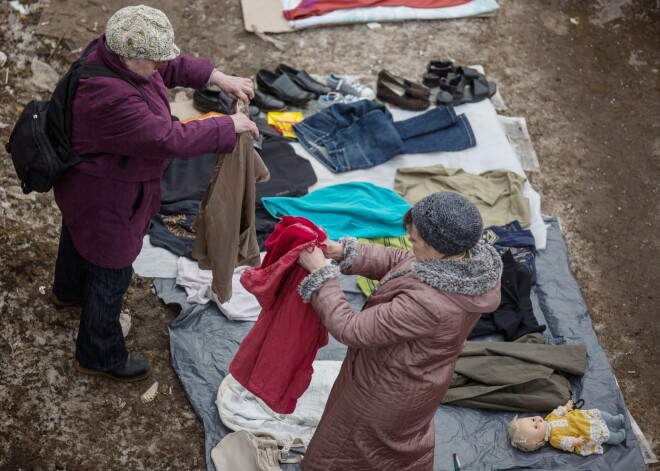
[(106, 202), (309, 8), (274, 361)]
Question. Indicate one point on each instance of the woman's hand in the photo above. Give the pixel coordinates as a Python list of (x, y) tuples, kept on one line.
[(242, 123), (334, 251), (240, 88), (311, 260)]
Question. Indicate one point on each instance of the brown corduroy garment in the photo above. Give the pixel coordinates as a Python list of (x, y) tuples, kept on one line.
[(224, 226)]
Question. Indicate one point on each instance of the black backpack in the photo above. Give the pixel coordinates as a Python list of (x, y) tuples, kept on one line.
[(40, 143)]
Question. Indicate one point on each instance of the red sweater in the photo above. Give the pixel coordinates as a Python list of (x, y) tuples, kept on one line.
[(274, 361)]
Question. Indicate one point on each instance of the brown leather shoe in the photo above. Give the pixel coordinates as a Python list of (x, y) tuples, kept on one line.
[(60, 303), (412, 89), (386, 92)]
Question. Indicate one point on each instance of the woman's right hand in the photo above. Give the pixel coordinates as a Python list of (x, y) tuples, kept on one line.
[(334, 250), (242, 123)]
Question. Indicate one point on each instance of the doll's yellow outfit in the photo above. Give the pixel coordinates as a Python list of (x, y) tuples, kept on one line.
[(564, 426)]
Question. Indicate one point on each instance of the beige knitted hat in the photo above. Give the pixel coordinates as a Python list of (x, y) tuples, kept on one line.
[(141, 32)]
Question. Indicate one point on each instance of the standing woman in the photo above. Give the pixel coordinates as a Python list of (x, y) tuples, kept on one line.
[(107, 202), (403, 345)]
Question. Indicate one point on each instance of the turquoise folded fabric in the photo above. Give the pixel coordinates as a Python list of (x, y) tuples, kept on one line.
[(356, 209)]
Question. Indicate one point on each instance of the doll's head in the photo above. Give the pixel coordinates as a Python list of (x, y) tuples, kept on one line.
[(528, 434)]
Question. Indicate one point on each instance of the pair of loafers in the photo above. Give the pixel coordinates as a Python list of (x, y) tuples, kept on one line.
[(403, 93), (283, 87), (304, 80)]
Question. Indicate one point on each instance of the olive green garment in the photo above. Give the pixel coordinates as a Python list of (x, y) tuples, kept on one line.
[(497, 194), (521, 376)]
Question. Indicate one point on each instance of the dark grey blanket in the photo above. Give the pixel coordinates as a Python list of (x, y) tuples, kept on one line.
[(203, 342)]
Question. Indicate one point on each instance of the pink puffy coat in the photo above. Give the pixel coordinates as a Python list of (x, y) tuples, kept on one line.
[(402, 350)]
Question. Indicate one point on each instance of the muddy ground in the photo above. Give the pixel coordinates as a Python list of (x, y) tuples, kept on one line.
[(585, 75)]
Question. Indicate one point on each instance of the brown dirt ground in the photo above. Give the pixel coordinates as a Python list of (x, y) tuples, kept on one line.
[(584, 75)]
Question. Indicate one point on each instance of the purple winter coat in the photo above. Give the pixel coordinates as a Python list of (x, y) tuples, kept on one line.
[(107, 205)]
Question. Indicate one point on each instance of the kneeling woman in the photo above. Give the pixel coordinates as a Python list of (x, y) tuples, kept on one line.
[(403, 345)]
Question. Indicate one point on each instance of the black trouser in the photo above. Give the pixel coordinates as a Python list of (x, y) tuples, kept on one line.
[(100, 344)]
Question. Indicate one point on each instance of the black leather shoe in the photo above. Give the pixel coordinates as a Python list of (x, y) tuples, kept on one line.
[(282, 87), (267, 102), (135, 369), (302, 79), (211, 100), (253, 111)]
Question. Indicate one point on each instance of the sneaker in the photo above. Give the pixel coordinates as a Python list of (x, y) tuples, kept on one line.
[(349, 85), (333, 98)]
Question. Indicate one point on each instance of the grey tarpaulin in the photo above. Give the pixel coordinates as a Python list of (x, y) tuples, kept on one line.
[(203, 343)]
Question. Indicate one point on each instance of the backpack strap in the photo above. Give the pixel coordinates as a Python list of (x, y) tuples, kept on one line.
[(98, 70)]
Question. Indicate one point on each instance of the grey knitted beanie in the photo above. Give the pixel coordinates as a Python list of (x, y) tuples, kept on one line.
[(448, 222), (141, 32)]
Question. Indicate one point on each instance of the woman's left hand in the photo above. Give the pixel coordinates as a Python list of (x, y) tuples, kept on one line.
[(240, 88), (311, 260)]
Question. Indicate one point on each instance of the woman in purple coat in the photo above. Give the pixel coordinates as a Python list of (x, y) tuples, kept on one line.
[(403, 345), (107, 202)]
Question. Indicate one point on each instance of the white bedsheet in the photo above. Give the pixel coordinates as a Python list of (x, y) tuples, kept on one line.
[(492, 151), (239, 409)]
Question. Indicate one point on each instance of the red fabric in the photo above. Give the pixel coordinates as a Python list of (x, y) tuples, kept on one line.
[(319, 7), (274, 361)]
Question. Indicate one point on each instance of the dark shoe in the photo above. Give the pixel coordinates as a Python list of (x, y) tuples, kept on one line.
[(303, 80), (60, 303), (440, 68), (386, 92), (464, 86), (253, 111), (436, 71), (267, 102), (135, 369), (211, 100), (411, 89), (282, 87)]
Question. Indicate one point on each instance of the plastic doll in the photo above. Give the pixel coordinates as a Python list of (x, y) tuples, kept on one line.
[(579, 431)]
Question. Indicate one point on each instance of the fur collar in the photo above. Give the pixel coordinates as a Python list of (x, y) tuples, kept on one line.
[(470, 276)]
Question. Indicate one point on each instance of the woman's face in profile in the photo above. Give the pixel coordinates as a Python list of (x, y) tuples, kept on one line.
[(143, 67), (420, 248)]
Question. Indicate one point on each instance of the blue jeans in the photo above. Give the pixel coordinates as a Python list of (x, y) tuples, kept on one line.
[(100, 344), (363, 134)]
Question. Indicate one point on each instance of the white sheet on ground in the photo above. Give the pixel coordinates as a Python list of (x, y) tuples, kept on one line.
[(371, 14), (241, 410), (492, 151), (242, 306), (155, 262)]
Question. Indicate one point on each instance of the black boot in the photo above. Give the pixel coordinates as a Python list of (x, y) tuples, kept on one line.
[(135, 369)]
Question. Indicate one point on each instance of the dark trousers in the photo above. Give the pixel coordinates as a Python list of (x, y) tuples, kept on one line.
[(100, 344)]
